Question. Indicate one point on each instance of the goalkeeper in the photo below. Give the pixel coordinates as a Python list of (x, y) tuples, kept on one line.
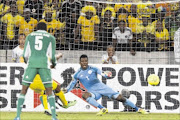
[(38, 87), (87, 75)]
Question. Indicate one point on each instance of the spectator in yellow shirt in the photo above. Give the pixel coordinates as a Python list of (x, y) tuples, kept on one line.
[(161, 12), (9, 21), (54, 27), (47, 6), (145, 7), (145, 35), (88, 24), (122, 14), (161, 36), (133, 19), (27, 24)]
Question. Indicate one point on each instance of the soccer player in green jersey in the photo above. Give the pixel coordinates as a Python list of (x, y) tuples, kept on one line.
[(39, 53)]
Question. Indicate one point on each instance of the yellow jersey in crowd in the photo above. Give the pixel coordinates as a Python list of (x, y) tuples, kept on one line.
[(11, 23), (133, 22), (27, 27), (163, 35), (148, 29), (125, 6), (87, 28), (145, 9), (53, 26)]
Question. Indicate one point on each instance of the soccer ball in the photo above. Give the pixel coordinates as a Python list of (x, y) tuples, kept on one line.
[(153, 79)]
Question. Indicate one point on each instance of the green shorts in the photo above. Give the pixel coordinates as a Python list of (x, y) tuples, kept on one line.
[(44, 73)]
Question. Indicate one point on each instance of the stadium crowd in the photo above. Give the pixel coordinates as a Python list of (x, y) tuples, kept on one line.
[(135, 25)]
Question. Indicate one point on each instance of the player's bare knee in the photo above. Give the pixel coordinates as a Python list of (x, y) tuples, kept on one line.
[(121, 98), (86, 95), (23, 92), (24, 89)]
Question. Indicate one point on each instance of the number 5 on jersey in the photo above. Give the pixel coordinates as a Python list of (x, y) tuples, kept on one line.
[(38, 42)]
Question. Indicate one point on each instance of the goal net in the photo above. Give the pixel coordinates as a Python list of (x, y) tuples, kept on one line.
[(141, 31)]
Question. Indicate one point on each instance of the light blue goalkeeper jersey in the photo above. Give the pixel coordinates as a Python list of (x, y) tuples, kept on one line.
[(88, 78)]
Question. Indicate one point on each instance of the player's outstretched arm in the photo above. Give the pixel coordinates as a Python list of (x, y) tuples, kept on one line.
[(71, 85), (105, 74)]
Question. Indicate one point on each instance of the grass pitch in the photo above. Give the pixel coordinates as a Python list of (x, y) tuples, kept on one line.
[(90, 116)]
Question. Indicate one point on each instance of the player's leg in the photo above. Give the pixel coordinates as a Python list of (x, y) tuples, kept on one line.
[(91, 99), (44, 102), (27, 80), (60, 94), (43, 99), (45, 75), (128, 103), (20, 102), (38, 87), (107, 91)]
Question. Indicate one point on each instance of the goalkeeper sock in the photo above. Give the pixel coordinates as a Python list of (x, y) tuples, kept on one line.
[(62, 98), (51, 100), (20, 104), (129, 103), (43, 99), (93, 102)]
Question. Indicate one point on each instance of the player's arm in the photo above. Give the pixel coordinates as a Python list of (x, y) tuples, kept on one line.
[(72, 84), (26, 50), (105, 74)]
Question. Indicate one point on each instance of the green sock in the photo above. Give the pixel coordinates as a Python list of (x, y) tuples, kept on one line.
[(20, 104), (51, 100)]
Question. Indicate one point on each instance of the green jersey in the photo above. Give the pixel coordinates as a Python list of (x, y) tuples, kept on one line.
[(39, 49)]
